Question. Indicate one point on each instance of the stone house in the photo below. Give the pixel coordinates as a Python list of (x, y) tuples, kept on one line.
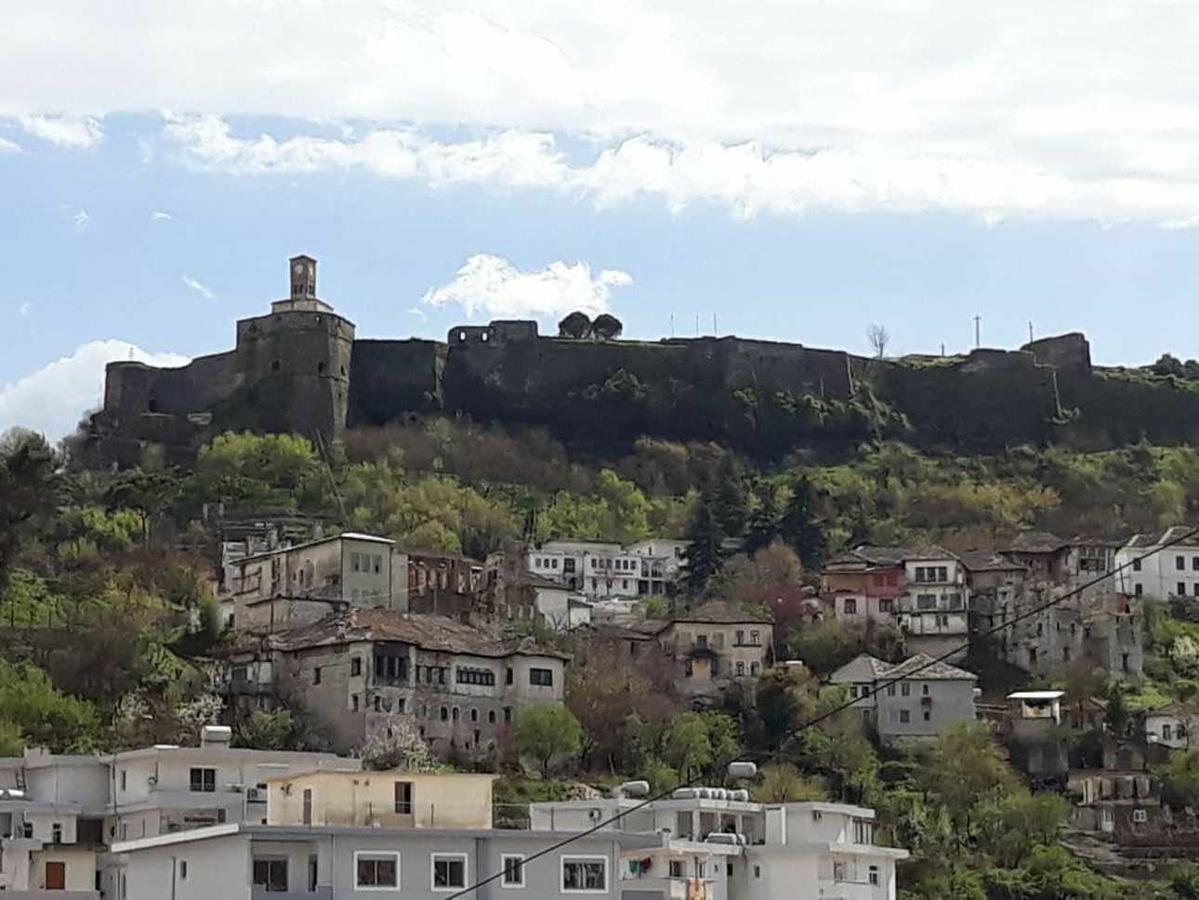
[(1050, 559), (1035, 737), (1122, 804), (463, 686), (924, 706), (920, 591), (717, 645), (296, 585)]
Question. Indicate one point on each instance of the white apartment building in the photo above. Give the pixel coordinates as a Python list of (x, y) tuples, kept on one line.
[(60, 813), (295, 585), (605, 570), (1165, 573), (716, 844)]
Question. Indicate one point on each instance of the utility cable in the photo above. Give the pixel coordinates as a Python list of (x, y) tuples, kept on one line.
[(871, 692)]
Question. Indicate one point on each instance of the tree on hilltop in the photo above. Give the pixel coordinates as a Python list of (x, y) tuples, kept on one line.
[(577, 325), (606, 327)]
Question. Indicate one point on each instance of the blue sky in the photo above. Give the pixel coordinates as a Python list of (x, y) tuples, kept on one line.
[(467, 165)]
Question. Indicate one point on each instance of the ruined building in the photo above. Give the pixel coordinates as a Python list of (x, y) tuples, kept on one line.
[(301, 368)]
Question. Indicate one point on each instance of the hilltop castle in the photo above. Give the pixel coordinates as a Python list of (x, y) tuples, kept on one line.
[(300, 368)]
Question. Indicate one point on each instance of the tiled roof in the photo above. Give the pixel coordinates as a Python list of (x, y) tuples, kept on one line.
[(1170, 534), (865, 668), (1034, 542), (988, 561), (427, 632), (721, 612)]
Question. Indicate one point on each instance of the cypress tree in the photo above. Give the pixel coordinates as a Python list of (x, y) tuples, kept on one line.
[(705, 553), (732, 505), (799, 527), (763, 525)]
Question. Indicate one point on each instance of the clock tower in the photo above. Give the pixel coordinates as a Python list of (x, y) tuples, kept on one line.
[(303, 277)]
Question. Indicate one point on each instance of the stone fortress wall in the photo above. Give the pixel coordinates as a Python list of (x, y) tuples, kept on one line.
[(300, 369)]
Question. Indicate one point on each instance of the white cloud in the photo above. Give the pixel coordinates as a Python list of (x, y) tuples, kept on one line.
[(418, 312), (23, 310), (7, 146), (76, 132), (54, 398), (161, 216), (82, 220), (1074, 110), (493, 286), (201, 289)]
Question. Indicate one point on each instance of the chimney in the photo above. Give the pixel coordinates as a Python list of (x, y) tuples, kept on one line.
[(215, 736)]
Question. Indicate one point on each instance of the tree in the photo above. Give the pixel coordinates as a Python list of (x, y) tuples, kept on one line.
[(705, 550), (685, 745), (577, 325), (763, 525), (784, 783), (1168, 365), (547, 733), (966, 767), (397, 744), (45, 716), (879, 337), (29, 487), (606, 327), (731, 502), (799, 528)]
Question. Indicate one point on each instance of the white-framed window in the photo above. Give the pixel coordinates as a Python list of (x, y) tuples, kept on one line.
[(839, 872), (447, 871), (270, 873), (584, 874), (376, 870), (202, 780), (874, 876), (1139, 815), (513, 866)]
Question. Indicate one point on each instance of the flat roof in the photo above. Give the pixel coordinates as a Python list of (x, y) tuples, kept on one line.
[(347, 535), (1036, 695), (308, 832)]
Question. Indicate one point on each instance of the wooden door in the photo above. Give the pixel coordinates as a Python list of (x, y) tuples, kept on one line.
[(56, 876)]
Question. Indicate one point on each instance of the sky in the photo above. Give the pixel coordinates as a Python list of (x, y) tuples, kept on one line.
[(784, 169)]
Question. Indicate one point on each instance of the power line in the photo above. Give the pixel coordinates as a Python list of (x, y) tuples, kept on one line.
[(871, 692)]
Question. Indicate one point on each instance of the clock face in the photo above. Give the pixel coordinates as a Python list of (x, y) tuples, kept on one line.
[(298, 268)]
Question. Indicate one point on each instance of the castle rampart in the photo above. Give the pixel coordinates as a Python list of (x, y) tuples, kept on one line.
[(300, 368)]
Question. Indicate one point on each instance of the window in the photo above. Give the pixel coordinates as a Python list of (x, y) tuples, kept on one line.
[(740, 669), (475, 676), (313, 872), (928, 716), (924, 690), (1182, 589), (513, 865), (355, 665), (203, 780), (449, 871), (754, 638), (905, 689), (445, 713), (375, 871), (585, 874), (863, 831), (306, 808), (853, 690), (183, 870), (355, 562), (508, 675), (56, 833), (926, 601), (886, 606), (491, 716), (1195, 563), (1137, 589), (543, 677), (873, 875), (270, 874), (839, 871), (904, 717), (1167, 733), (851, 607), (891, 690), (316, 675), (1136, 565), (403, 797), (1139, 815), (507, 713), (123, 779), (740, 637), (676, 868), (753, 668), (353, 702), (1180, 563)]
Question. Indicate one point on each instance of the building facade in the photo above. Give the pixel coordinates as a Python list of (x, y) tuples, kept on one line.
[(933, 700), (463, 687), (1148, 569), (598, 570), (715, 646)]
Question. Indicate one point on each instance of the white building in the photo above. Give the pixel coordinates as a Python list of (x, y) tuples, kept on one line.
[(59, 813), (1171, 726), (1166, 573), (716, 844), (605, 570), (295, 585)]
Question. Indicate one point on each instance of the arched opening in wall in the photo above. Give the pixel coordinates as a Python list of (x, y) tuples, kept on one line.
[(485, 336), (317, 318), (152, 406), (343, 371), (320, 368), (461, 337), (276, 365)]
